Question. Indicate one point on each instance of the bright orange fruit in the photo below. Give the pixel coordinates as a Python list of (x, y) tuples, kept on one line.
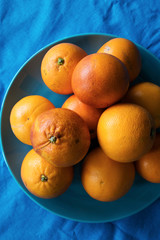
[(61, 137), (147, 95), (100, 80), (126, 132), (88, 113), (148, 166), (127, 52), (42, 178), (23, 114), (105, 179), (58, 64)]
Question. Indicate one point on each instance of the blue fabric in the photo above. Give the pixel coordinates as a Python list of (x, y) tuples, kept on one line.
[(26, 27)]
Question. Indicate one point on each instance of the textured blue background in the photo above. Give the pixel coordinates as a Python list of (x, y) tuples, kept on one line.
[(26, 27)]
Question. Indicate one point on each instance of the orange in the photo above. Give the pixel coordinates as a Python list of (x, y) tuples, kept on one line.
[(127, 52), (105, 179), (147, 95), (60, 136), (100, 80), (148, 166), (89, 114), (126, 132), (43, 179), (58, 64), (24, 113)]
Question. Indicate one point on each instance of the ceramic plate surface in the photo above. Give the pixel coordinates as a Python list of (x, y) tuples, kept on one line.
[(74, 204)]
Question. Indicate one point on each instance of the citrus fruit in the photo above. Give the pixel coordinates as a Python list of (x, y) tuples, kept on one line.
[(126, 132), (24, 113), (42, 178), (60, 136), (88, 113), (58, 64), (148, 166), (104, 179), (127, 52), (100, 80), (147, 95)]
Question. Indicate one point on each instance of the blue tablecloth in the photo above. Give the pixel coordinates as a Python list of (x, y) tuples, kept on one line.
[(26, 27)]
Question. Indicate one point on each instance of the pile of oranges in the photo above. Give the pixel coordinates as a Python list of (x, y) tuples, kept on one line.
[(104, 108)]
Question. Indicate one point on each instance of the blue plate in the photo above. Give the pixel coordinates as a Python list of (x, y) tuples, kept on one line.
[(74, 204)]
